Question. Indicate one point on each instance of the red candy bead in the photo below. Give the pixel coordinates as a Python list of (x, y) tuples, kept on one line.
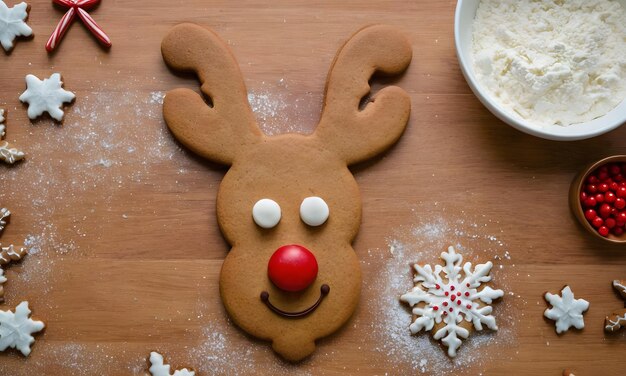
[(591, 188), (605, 210), (609, 197), (610, 223), (599, 198), (619, 203), (621, 192), (604, 231), (597, 222), (592, 179), (603, 175), (621, 217), (590, 214), (614, 169), (614, 186), (603, 187), (617, 231), (590, 202), (292, 268)]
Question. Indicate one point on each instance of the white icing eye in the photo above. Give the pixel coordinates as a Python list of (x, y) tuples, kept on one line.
[(266, 213), (314, 211)]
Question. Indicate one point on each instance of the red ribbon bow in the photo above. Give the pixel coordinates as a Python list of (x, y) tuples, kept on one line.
[(76, 7)]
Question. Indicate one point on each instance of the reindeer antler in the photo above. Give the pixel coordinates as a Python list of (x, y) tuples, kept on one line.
[(360, 134), (189, 47)]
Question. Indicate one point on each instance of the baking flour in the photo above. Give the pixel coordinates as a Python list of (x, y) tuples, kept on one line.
[(552, 61)]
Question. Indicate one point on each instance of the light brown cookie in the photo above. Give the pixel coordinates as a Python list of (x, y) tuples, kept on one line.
[(312, 287), (617, 319)]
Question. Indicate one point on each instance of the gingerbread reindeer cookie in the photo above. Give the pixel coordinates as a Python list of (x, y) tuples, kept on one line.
[(288, 205), (617, 320)]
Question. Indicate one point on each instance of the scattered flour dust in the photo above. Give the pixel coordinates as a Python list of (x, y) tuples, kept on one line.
[(279, 110), (423, 242)]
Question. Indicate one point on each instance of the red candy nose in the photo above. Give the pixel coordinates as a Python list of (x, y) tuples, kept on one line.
[(292, 268)]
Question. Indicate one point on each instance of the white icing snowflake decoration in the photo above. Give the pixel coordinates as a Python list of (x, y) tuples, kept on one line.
[(157, 368), (16, 329), (46, 96), (566, 310), (451, 299), (12, 24)]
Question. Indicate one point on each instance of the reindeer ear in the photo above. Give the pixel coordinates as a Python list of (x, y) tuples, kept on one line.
[(219, 132), (356, 134)]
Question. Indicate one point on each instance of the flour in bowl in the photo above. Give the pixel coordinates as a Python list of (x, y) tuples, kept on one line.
[(552, 61)]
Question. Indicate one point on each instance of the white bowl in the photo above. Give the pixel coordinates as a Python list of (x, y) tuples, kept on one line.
[(463, 20)]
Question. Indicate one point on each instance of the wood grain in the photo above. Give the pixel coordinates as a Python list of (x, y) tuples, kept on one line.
[(127, 248)]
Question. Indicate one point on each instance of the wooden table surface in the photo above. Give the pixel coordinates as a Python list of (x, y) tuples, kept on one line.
[(120, 220)]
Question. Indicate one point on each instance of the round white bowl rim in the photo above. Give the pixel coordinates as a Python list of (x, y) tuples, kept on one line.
[(580, 131)]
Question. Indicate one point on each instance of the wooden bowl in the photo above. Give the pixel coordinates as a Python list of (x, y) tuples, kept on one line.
[(574, 198)]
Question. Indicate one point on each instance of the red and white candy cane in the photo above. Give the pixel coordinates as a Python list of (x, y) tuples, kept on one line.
[(76, 7)]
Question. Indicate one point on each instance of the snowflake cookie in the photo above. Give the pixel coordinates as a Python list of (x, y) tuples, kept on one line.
[(617, 320), (46, 96), (442, 304), (12, 24), (16, 329), (157, 368), (8, 153), (566, 310)]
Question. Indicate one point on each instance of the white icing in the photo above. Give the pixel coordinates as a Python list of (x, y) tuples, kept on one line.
[(4, 217), (16, 329), (157, 368), (46, 96), (566, 310), (266, 213), (619, 286), (2, 127), (12, 24), (8, 153), (314, 211), (617, 323), (468, 304)]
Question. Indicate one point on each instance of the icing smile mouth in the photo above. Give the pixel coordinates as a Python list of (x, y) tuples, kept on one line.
[(265, 297)]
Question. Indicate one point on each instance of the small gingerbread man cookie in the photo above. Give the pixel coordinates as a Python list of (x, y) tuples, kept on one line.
[(8, 153), (617, 319)]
